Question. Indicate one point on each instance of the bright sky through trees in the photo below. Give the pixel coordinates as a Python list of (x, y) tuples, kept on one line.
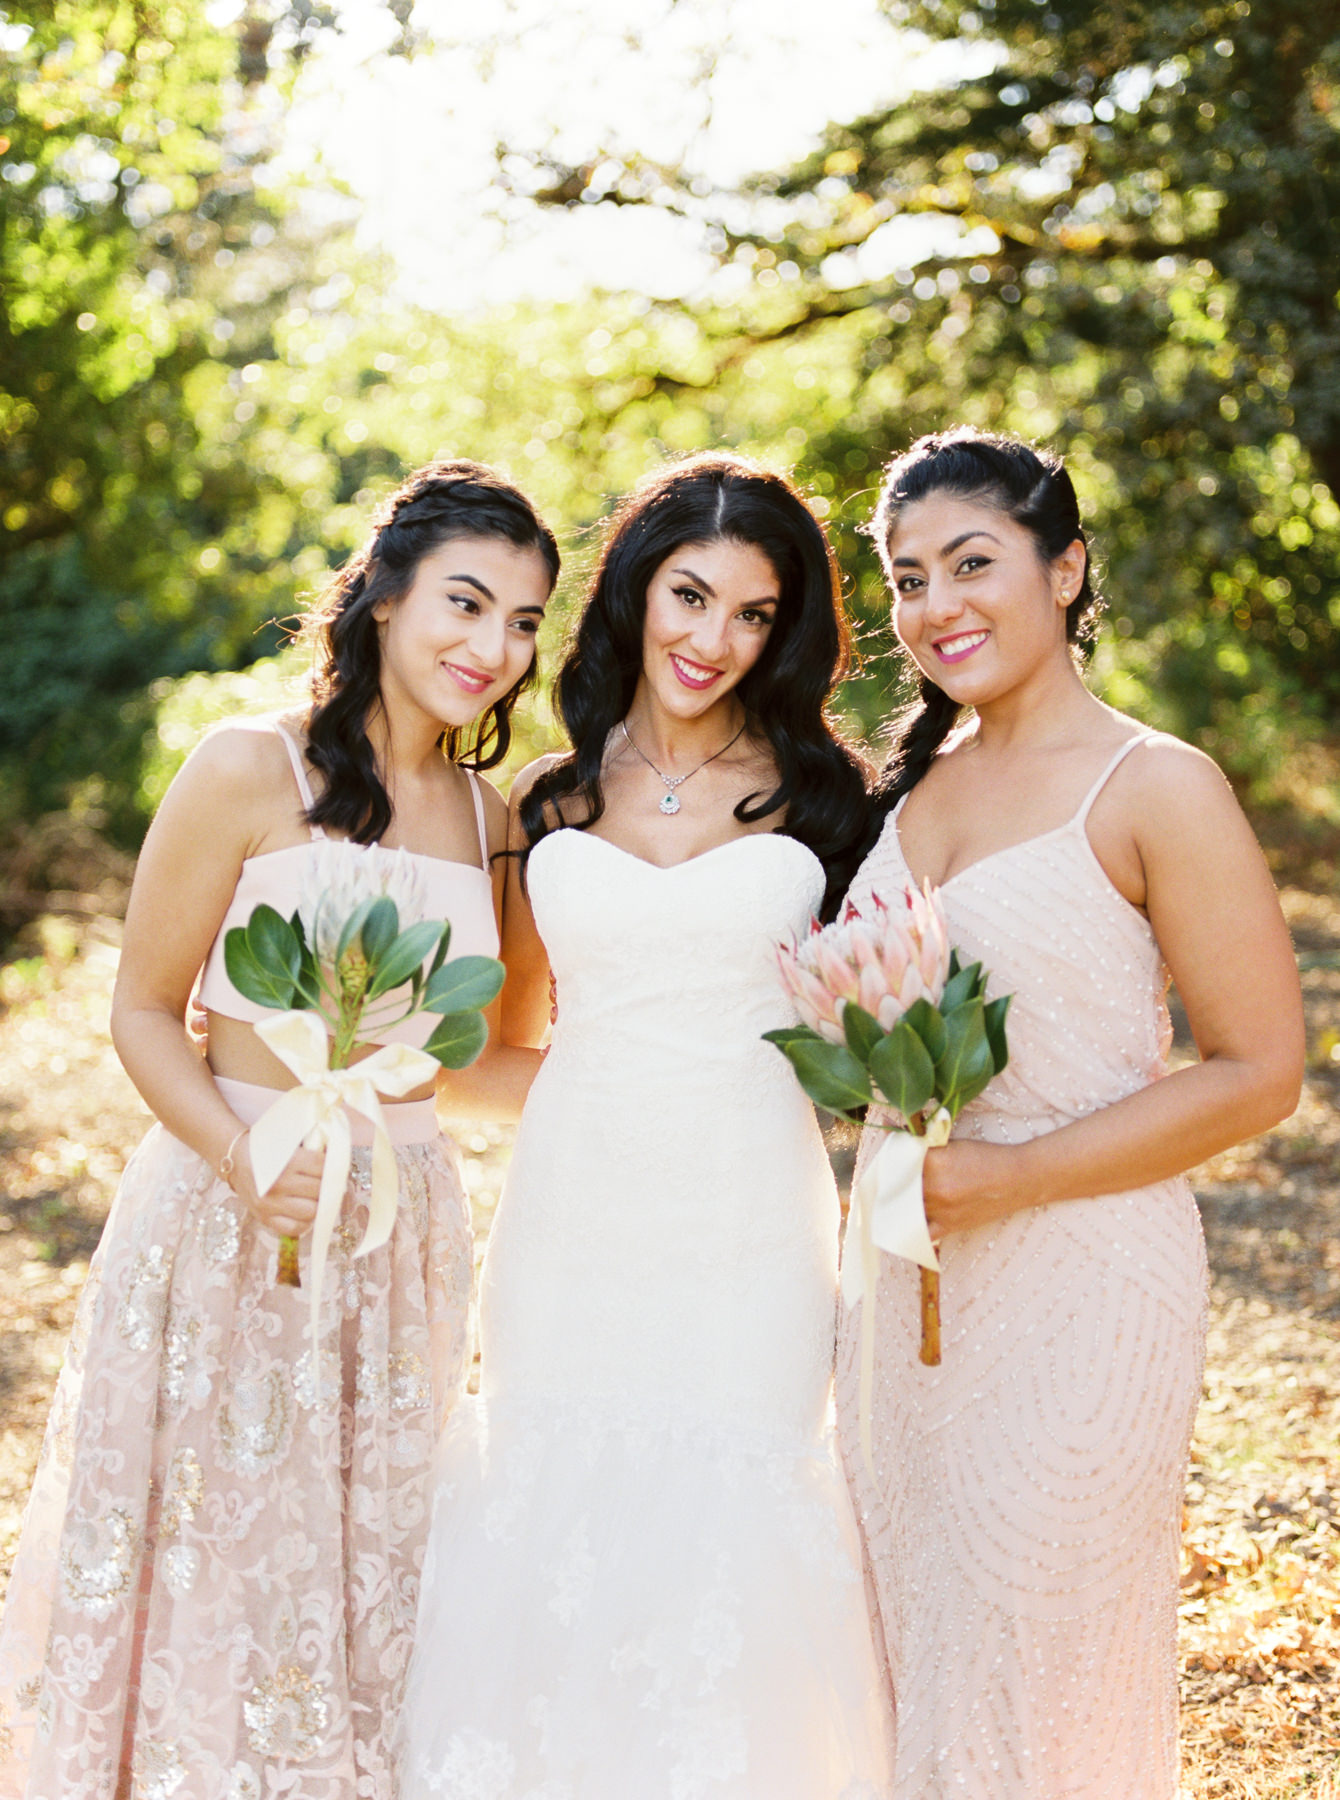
[(718, 90)]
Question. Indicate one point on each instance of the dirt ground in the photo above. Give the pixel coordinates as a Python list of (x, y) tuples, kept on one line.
[(1260, 1638)]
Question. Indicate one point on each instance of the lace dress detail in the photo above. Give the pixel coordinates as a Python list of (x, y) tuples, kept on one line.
[(216, 1582), (1021, 1530), (643, 1575), (215, 1587)]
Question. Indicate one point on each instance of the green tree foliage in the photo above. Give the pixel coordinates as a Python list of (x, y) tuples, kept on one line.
[(1113, 227), (140, 273)]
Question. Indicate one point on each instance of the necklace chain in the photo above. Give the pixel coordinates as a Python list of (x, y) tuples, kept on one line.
[(670, 799)]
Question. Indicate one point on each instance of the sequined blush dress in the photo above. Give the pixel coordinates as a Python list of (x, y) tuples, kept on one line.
[(1022, 1526), (215, 1587)]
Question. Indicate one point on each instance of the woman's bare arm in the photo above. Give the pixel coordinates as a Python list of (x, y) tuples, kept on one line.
[(495, 1087), (213, 816), (1214, 912)]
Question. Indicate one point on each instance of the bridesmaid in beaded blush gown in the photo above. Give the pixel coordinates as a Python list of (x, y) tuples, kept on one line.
[(1021, 1518)]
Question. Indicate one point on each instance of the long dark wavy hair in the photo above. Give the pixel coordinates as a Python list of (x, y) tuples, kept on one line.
[(441, 501), (1026, 484), (709, 499)]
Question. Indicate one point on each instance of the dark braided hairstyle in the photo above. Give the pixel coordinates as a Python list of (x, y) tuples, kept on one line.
[(442, 501), (1028, 485), (703, 500)]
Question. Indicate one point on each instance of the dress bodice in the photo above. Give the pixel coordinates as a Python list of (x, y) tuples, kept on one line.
[(668, 1232), (671, 965), (460, 892), (1088, 1023)]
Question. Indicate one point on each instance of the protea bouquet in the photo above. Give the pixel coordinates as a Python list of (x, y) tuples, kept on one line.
[(891, 1016), (340, 970)]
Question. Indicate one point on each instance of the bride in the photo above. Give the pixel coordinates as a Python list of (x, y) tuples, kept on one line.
[(643, 1577)]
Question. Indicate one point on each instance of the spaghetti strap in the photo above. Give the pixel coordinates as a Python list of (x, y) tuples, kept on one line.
[(473, 779), (1141, 737), (299, 775)]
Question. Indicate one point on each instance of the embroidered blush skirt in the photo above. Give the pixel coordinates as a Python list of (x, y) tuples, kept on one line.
[(217, 1577)]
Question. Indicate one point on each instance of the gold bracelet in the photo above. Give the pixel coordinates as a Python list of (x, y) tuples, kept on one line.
[(227, 1167)]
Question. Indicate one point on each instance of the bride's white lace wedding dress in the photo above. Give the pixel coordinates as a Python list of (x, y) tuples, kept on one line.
[(643, 1580)]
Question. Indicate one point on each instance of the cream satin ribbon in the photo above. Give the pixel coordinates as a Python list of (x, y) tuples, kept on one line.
[(314, 1115), (888, 1212)]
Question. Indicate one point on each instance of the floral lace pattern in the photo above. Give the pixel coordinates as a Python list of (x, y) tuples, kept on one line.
[(643, 1575), (216, 1582)]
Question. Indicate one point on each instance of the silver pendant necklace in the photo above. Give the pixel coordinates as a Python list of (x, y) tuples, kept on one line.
[(669, 802)]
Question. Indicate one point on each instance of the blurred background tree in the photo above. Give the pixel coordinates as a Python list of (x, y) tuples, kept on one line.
[(1110, 228), (141, 270), (1114, 228)]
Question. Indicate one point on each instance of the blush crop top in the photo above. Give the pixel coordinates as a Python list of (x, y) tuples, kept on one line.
[(460, 892)]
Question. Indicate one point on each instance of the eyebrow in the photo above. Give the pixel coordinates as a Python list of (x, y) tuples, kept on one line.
[(710, 591), (912, 562), (474, 582)]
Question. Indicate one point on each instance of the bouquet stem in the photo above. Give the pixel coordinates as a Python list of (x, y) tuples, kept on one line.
[(930, 1317), (287, 1274)]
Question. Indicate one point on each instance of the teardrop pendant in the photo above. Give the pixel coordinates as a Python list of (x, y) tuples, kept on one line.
[(670, 803)]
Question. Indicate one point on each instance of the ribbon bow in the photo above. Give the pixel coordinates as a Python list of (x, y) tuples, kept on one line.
[(315, 1114), (888, 1212)]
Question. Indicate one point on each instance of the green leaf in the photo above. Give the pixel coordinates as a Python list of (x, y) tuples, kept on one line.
[(902, 1069), (380, 929), (404, 957), (967, 1064), (960, 988), (440, 954), (273, 941), (458, 1039), (261, 985), (993, 1016), (929, 1026), (862, 1030), (307, 984), (791, 1034), (307, 979), (829, 1073), (468, 981)]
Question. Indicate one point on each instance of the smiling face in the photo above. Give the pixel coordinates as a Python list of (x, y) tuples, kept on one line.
[(463, 632), (975, 604), (710, 609)]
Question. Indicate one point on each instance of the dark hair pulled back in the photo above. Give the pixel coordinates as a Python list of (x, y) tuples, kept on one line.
[(1026, 484), (441, 501), (704, 500)]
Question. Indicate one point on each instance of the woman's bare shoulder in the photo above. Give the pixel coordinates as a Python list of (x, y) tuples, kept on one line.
[(527, 777)]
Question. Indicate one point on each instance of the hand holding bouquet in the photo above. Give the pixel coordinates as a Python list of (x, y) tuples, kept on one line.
[(340, 970), (891, 1016)]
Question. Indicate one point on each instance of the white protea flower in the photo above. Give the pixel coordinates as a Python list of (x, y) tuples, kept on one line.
[(883, 962), (340, 876)]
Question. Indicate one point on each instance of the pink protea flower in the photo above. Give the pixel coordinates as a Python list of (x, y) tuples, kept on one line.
[(884, 962)]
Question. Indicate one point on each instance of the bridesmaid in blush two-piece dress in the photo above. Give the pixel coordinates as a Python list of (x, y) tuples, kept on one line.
[(644, 1577), (215, 1586), (1021, 1519)]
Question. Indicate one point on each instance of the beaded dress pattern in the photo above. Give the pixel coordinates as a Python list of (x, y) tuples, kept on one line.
[(217, 1577), (643, 1575), (1021, 1529)]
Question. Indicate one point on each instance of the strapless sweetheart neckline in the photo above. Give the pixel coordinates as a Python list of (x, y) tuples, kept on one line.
[(748, 837)]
